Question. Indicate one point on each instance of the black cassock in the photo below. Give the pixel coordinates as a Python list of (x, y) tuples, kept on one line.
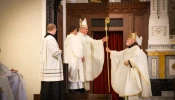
[(52, 90)]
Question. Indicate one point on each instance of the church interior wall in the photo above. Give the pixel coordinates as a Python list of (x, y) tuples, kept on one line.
[(22, 27), (135, 18), (21, 35), (135, 21), (161, 54)]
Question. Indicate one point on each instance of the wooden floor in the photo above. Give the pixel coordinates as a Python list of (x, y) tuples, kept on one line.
[(87, 96), (83, 96)]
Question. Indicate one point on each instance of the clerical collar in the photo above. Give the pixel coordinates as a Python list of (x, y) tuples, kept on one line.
[(48, 34), (135, 43), (71, 34), (82, 34)]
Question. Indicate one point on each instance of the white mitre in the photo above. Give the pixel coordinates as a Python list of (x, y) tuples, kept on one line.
[(83, 24), (139, 40)]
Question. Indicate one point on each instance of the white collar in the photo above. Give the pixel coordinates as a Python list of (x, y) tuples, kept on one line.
[(79, 33)]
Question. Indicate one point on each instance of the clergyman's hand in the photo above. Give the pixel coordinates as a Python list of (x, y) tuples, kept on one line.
[(83, 59), (12, 70), (126, 63), (105, 39), (108, 50)]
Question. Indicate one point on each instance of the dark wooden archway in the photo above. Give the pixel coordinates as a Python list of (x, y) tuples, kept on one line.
[(135, 16)]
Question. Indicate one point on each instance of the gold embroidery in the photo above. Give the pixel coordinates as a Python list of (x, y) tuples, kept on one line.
[(140, 73)]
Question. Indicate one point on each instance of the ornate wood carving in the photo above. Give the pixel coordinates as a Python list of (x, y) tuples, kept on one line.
[(60, 27), (93, 8), (135, 17), (54, 15), (140, 26), (50, 11), (171, 16)]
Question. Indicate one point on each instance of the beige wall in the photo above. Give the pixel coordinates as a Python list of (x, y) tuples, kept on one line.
[(21, 27)]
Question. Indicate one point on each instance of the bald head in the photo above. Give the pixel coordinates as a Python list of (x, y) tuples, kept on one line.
[(51, 28)]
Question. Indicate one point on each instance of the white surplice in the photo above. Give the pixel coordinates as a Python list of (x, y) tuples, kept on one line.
[(51, 62), (127, 80), (93, 52), (73, 57)]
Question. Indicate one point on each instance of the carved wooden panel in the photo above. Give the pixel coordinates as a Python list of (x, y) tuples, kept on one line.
[(98, 1), (171, 16), (93, 8), (135, 17), (50, 11), (114, 22), (141, 27), (60, 27)]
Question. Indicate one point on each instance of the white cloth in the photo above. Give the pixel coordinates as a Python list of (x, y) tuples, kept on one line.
[(93, 52), (51, 62), (7, 92), (127, 81), (12, 84), (4, 70), (73, 57), (139, 40), (17, 84), (76, 85)]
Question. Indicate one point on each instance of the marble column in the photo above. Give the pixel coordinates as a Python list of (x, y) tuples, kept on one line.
[(159, 37)]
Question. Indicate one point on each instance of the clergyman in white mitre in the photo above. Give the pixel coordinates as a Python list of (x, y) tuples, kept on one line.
[(92, 52), (129, 70)]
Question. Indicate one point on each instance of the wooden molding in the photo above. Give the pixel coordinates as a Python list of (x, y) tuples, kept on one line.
[(92, 8), (135, 17), (60, 27), (160, 53)]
